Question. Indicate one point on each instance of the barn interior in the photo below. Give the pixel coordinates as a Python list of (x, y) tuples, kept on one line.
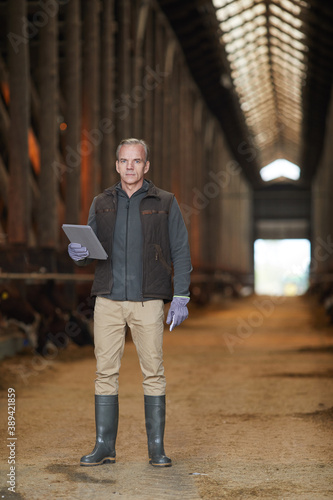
[(221, 90)]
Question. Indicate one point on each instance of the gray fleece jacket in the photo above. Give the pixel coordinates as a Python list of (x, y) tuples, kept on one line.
[(128, 244)]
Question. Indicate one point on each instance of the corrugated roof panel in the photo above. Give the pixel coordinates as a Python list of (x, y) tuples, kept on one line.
[(265, 46), (276, 57)]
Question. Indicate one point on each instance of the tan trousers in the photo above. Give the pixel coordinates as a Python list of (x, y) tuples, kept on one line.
[(146, 321)]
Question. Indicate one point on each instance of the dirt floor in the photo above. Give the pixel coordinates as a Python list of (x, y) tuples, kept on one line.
[(249, 412)]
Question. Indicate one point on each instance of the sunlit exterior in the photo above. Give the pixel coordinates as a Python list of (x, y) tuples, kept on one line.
[(280, 169)]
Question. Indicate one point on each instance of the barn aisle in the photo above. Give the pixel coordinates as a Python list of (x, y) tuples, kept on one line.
[(249, 412)]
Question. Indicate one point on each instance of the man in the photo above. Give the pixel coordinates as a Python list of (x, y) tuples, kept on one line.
[(143, 232)]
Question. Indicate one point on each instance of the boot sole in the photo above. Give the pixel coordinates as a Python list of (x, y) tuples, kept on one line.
[(104, 461), (159, 465)]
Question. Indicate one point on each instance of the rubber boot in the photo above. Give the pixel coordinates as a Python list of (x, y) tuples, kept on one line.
[(106, 416), (155, 423)]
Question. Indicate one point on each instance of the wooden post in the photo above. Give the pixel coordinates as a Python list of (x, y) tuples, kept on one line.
[(167, 114), (72, 86), (220, 242), (175, 130), (124, 110), (4, 123), (139, 90), (225, 210), (48, 136), (189, 165), (191, 213), (5, 132), (108, 144), (4, 181), (246, 218), (158, 100), (182, 128), (19, 191), (91, 134), (148, 104)]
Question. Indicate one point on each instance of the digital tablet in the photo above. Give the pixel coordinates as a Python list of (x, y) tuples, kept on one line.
[(87, 238)]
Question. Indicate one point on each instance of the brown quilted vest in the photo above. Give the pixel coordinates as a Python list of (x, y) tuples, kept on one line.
[(157, 265)]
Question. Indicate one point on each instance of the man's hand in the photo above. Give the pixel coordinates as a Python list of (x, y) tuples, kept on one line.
[(178, 312), (77, 252)]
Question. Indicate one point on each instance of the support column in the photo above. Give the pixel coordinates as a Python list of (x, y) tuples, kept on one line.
[(197, 172), (246, 243), (207, 203), (125, 110), (218, 168), (158, 102), (108, 144), (148, 105), (167, 118), (19, 190), (48, 226), (226, 213), (73, 111), (91, 135), (140, 90), (175, 131)]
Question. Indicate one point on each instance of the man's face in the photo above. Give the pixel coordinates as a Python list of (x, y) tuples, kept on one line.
[(132, 164)]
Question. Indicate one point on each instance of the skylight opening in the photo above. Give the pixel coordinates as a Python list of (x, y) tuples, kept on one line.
[(285, 37), (294, 9), (284, 26), (265, 48), (220, 3), (280, 168), (285, 16)]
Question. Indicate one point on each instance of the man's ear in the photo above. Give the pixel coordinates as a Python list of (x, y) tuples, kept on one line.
[(147, 165), (117, 166)]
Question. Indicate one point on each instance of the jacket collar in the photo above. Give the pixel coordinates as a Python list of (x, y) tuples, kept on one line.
[(152, 190)]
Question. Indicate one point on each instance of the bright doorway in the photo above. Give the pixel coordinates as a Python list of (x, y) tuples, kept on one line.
[(281, 267)]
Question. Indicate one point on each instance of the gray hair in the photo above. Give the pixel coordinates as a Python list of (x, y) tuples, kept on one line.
[(132, 141)]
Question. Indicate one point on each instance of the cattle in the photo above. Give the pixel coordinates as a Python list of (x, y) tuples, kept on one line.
[(44, 316)]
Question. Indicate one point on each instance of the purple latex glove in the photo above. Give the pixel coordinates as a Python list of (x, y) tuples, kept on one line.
[(77, 251), (178, 312)]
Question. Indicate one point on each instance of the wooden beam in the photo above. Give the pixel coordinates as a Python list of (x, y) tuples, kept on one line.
[(107, 122), (124, 122), (72, 89), (18, 57), (141, 30), (4, 182), (4, 123), (48, 180), (90, 134), (45, 276), (159, 43)]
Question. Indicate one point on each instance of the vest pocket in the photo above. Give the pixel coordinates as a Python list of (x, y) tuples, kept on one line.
[(160, 257)]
